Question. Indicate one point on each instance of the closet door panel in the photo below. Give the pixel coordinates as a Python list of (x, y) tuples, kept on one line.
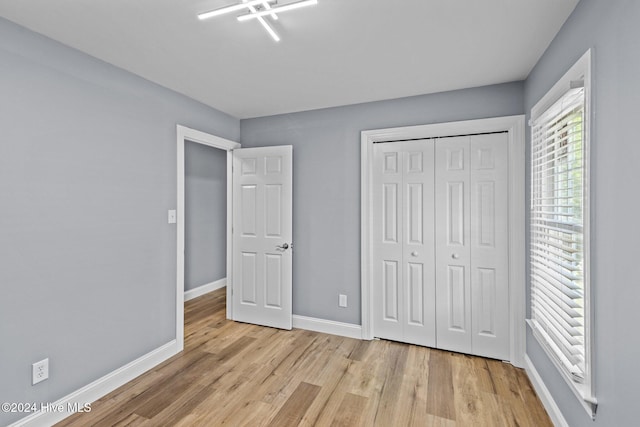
[(489, 245), (387, 241), (452, 242), (418, 250), (404, 274)]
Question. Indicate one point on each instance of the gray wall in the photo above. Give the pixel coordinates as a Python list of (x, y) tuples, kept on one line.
[(612, 29), (87, 174), (205, 251), (326, 182)]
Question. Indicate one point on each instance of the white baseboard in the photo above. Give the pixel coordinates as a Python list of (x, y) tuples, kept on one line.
[(327, 326), (63, 408), (204, 289), (545, 396)]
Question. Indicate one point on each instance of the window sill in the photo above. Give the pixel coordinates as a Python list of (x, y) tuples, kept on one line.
[(581, 391)]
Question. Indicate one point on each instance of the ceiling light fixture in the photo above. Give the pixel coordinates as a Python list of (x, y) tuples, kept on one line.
[(259, 9), (264, 23), (229, 9), (278, 9), (267, 6)]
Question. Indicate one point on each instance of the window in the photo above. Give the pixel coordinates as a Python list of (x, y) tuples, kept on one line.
[(559, 227)]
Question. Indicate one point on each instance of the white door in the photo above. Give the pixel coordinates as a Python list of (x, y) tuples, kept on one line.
[(472, 290), (440, 243), (262, 235), (403, 245)]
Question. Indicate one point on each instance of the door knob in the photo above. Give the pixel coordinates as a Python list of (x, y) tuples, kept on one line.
[(455, 256), (283, 247), (414, 253)]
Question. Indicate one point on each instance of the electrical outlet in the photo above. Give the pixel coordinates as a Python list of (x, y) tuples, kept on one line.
[(40, 371), (172, 216), (342, 300)]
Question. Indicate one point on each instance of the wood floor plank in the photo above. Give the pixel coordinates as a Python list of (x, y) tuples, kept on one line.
[(355, 378), (157, 398), (183, 406), (434, 421), (390, 394), (237, 374), (234, 349), (132, 420), (295, 407), (412, 403), (483, 373), (360, 350), (332, 379), (105, 406), (252, 413), (503, 379), (350, 411), (532, 407), (368, 374), (374, 378), (440, 397)]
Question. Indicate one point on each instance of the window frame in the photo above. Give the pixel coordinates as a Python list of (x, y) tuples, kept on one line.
[(580, 71)]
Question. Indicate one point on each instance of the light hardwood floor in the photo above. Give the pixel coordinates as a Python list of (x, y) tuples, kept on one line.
[(236, 374)]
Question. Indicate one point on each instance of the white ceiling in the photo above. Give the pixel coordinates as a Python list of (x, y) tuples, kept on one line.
[(335, 53)]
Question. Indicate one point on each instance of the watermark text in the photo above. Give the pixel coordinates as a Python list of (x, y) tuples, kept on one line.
[(30, 407)]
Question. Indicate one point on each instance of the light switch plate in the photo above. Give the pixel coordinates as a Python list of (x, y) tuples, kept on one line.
[(172, 216)]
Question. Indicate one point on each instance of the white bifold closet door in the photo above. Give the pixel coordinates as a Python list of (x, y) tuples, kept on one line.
[(403, 244), (471, 204), (440, 243)]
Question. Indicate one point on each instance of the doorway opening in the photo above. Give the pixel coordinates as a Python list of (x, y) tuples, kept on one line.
[(184, 135), (205, 251)]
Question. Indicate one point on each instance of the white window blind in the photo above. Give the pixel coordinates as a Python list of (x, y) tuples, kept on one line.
[(557, 231), (560, 228)]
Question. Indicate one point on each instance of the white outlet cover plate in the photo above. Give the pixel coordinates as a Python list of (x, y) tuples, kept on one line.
[(172, 216), (40, 371)]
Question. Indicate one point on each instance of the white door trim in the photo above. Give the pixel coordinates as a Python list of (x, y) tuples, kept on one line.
[(187, 134), (515, 126)]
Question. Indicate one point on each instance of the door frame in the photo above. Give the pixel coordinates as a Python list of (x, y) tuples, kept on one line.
[(515, 127), (187, 134)]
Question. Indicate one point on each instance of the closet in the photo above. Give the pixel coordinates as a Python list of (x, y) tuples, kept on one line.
[(440, 243)]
